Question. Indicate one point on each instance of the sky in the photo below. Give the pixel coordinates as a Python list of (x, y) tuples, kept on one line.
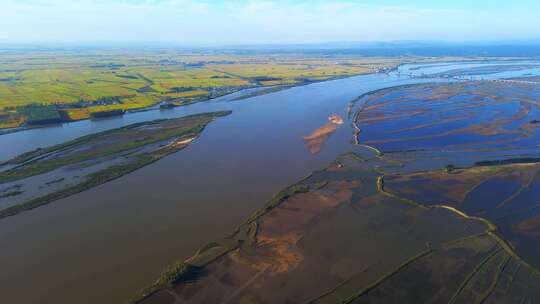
[(193, 22)]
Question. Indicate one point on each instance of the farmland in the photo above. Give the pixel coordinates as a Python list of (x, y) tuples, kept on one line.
[(70, 86)]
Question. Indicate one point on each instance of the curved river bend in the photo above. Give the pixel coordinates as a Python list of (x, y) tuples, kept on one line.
[(105, 244)]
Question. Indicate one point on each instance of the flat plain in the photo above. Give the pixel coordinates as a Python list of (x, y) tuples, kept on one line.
[(432, 199), (422, 210), (40, 87)]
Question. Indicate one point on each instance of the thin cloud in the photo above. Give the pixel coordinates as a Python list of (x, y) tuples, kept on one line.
[(191, 21)]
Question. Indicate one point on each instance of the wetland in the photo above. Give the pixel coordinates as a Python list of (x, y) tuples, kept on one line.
[(380, 180), (435, 202), (45, 175)]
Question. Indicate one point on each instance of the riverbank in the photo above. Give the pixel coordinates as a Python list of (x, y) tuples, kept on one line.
[(45, 175), (173, 103), (304, 235), (148, 98), (400, 212), (219, 173), (64, 85)]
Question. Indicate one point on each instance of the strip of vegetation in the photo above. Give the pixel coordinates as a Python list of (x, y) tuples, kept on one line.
[(173, 274), (39, 152), (188, 270), (113, 172), (93, 180), (243, 236), (524, 160), (283, 195), (109, 113), (261, 92), (32, 163), (11, 193), (56, 181)]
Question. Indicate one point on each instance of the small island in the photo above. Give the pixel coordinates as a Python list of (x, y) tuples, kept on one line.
[(42, 176)]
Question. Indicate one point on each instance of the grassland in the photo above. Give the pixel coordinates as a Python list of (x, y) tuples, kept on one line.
[(72, 85)]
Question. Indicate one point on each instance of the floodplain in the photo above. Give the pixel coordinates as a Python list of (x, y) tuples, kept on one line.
[(436, 202), (44, 175), (40, 87), (353, 232)]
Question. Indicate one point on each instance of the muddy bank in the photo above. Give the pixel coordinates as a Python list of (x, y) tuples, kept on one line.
[(340, 236), (405, 217), (42, 176)]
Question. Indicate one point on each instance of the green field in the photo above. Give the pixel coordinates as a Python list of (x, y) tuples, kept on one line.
[(75, 84)]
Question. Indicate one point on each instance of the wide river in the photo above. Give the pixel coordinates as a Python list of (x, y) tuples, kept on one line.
[(105, 244)]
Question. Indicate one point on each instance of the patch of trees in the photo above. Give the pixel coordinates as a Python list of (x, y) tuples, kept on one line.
[(265, 78), (37, 114), (117, 112), (109, 65), (181, 89)]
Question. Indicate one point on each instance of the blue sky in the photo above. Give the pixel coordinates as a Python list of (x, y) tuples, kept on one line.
[(267, 21)]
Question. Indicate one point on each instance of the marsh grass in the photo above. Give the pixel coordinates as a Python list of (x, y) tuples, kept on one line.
[(191, 126)]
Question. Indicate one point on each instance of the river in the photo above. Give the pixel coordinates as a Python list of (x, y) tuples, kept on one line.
[(105, 244)]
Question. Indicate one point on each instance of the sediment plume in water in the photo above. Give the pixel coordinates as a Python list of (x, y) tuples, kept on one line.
[(315, 141)]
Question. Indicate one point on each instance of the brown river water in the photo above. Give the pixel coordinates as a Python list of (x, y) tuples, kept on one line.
[(107, 243)]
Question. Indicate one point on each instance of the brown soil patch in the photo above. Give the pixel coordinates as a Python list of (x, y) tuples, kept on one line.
[(275, 255), (317, 138)]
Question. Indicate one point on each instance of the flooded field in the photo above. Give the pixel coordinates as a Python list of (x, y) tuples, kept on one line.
[(341, 236), (352, 231), (486, 69), (505, 195), (472, 118), (436, 203)]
